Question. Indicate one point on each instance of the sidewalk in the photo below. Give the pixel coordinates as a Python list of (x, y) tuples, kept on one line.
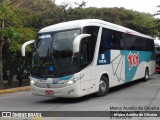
[(18, 89)]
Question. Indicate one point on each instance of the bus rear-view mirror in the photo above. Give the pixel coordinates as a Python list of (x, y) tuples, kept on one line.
[(77, 41), (23, 49)]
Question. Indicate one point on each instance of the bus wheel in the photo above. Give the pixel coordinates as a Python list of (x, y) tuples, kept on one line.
[(103, 87), (146, 77)]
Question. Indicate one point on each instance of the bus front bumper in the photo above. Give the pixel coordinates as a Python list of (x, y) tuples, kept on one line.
[(69, 91)]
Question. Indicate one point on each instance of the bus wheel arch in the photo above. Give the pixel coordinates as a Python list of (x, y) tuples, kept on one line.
[(103, 85), (146, 74)]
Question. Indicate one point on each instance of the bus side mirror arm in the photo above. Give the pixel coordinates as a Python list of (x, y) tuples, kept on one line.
[(23, 49), (77, 41)]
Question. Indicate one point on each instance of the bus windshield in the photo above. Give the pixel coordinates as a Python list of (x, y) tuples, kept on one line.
[(53, 54)]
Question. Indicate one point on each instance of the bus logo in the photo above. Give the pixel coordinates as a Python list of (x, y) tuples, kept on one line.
[(102, 59), (56, 80), (51, 68), (133, 60), (48, 86)]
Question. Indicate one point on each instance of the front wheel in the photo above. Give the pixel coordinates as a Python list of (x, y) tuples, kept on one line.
[(103, 87)]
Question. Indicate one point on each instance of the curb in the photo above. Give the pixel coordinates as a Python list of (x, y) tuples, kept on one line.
[(13, 90)]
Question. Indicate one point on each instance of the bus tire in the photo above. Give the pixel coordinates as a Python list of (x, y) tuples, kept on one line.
[(146, 76), (103, 87)]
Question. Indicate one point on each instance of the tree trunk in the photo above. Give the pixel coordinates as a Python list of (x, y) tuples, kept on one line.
[(1, 66), (1, 44)]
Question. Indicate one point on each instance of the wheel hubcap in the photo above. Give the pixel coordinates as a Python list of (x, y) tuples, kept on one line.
[(102, 86), (147, 76)]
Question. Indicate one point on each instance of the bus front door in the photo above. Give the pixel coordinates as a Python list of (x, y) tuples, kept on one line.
[(87, 83)]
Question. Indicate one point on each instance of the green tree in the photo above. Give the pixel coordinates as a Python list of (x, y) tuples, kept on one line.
[(157, 22), (38, 13), (6, 14), (12, 34)]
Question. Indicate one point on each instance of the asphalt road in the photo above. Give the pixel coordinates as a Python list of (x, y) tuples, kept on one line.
[(134, 95)]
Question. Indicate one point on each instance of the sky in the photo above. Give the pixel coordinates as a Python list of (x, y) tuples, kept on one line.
[(147, 6)]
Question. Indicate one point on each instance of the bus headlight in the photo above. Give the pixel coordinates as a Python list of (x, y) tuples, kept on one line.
[(32, 82), (70, 82)]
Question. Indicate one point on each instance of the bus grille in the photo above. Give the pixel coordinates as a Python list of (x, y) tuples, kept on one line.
[(45, 85)]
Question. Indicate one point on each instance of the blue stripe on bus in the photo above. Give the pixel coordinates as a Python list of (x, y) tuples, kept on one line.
[(38, 78), (66, 77)]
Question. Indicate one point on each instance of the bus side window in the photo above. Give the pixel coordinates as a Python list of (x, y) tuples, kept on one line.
[(110, 39), (129, 42), (117, 40), (105, 41)]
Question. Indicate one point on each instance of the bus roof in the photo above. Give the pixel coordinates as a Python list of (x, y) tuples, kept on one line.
[(89, 22)]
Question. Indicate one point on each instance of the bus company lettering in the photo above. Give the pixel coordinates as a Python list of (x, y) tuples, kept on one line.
[(133, 60)]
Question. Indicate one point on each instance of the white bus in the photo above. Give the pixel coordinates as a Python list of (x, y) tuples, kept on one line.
[(77, 58)]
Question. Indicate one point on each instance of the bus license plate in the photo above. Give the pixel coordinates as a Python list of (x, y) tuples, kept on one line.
[(49, 92)]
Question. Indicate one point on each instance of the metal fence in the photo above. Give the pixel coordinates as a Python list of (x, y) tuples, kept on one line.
[(16, 72)]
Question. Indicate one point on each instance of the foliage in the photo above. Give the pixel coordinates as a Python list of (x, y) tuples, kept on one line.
[(15, 37), (157, 21), (12, 35), (38, 13), (8, 15), (13, 32)]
